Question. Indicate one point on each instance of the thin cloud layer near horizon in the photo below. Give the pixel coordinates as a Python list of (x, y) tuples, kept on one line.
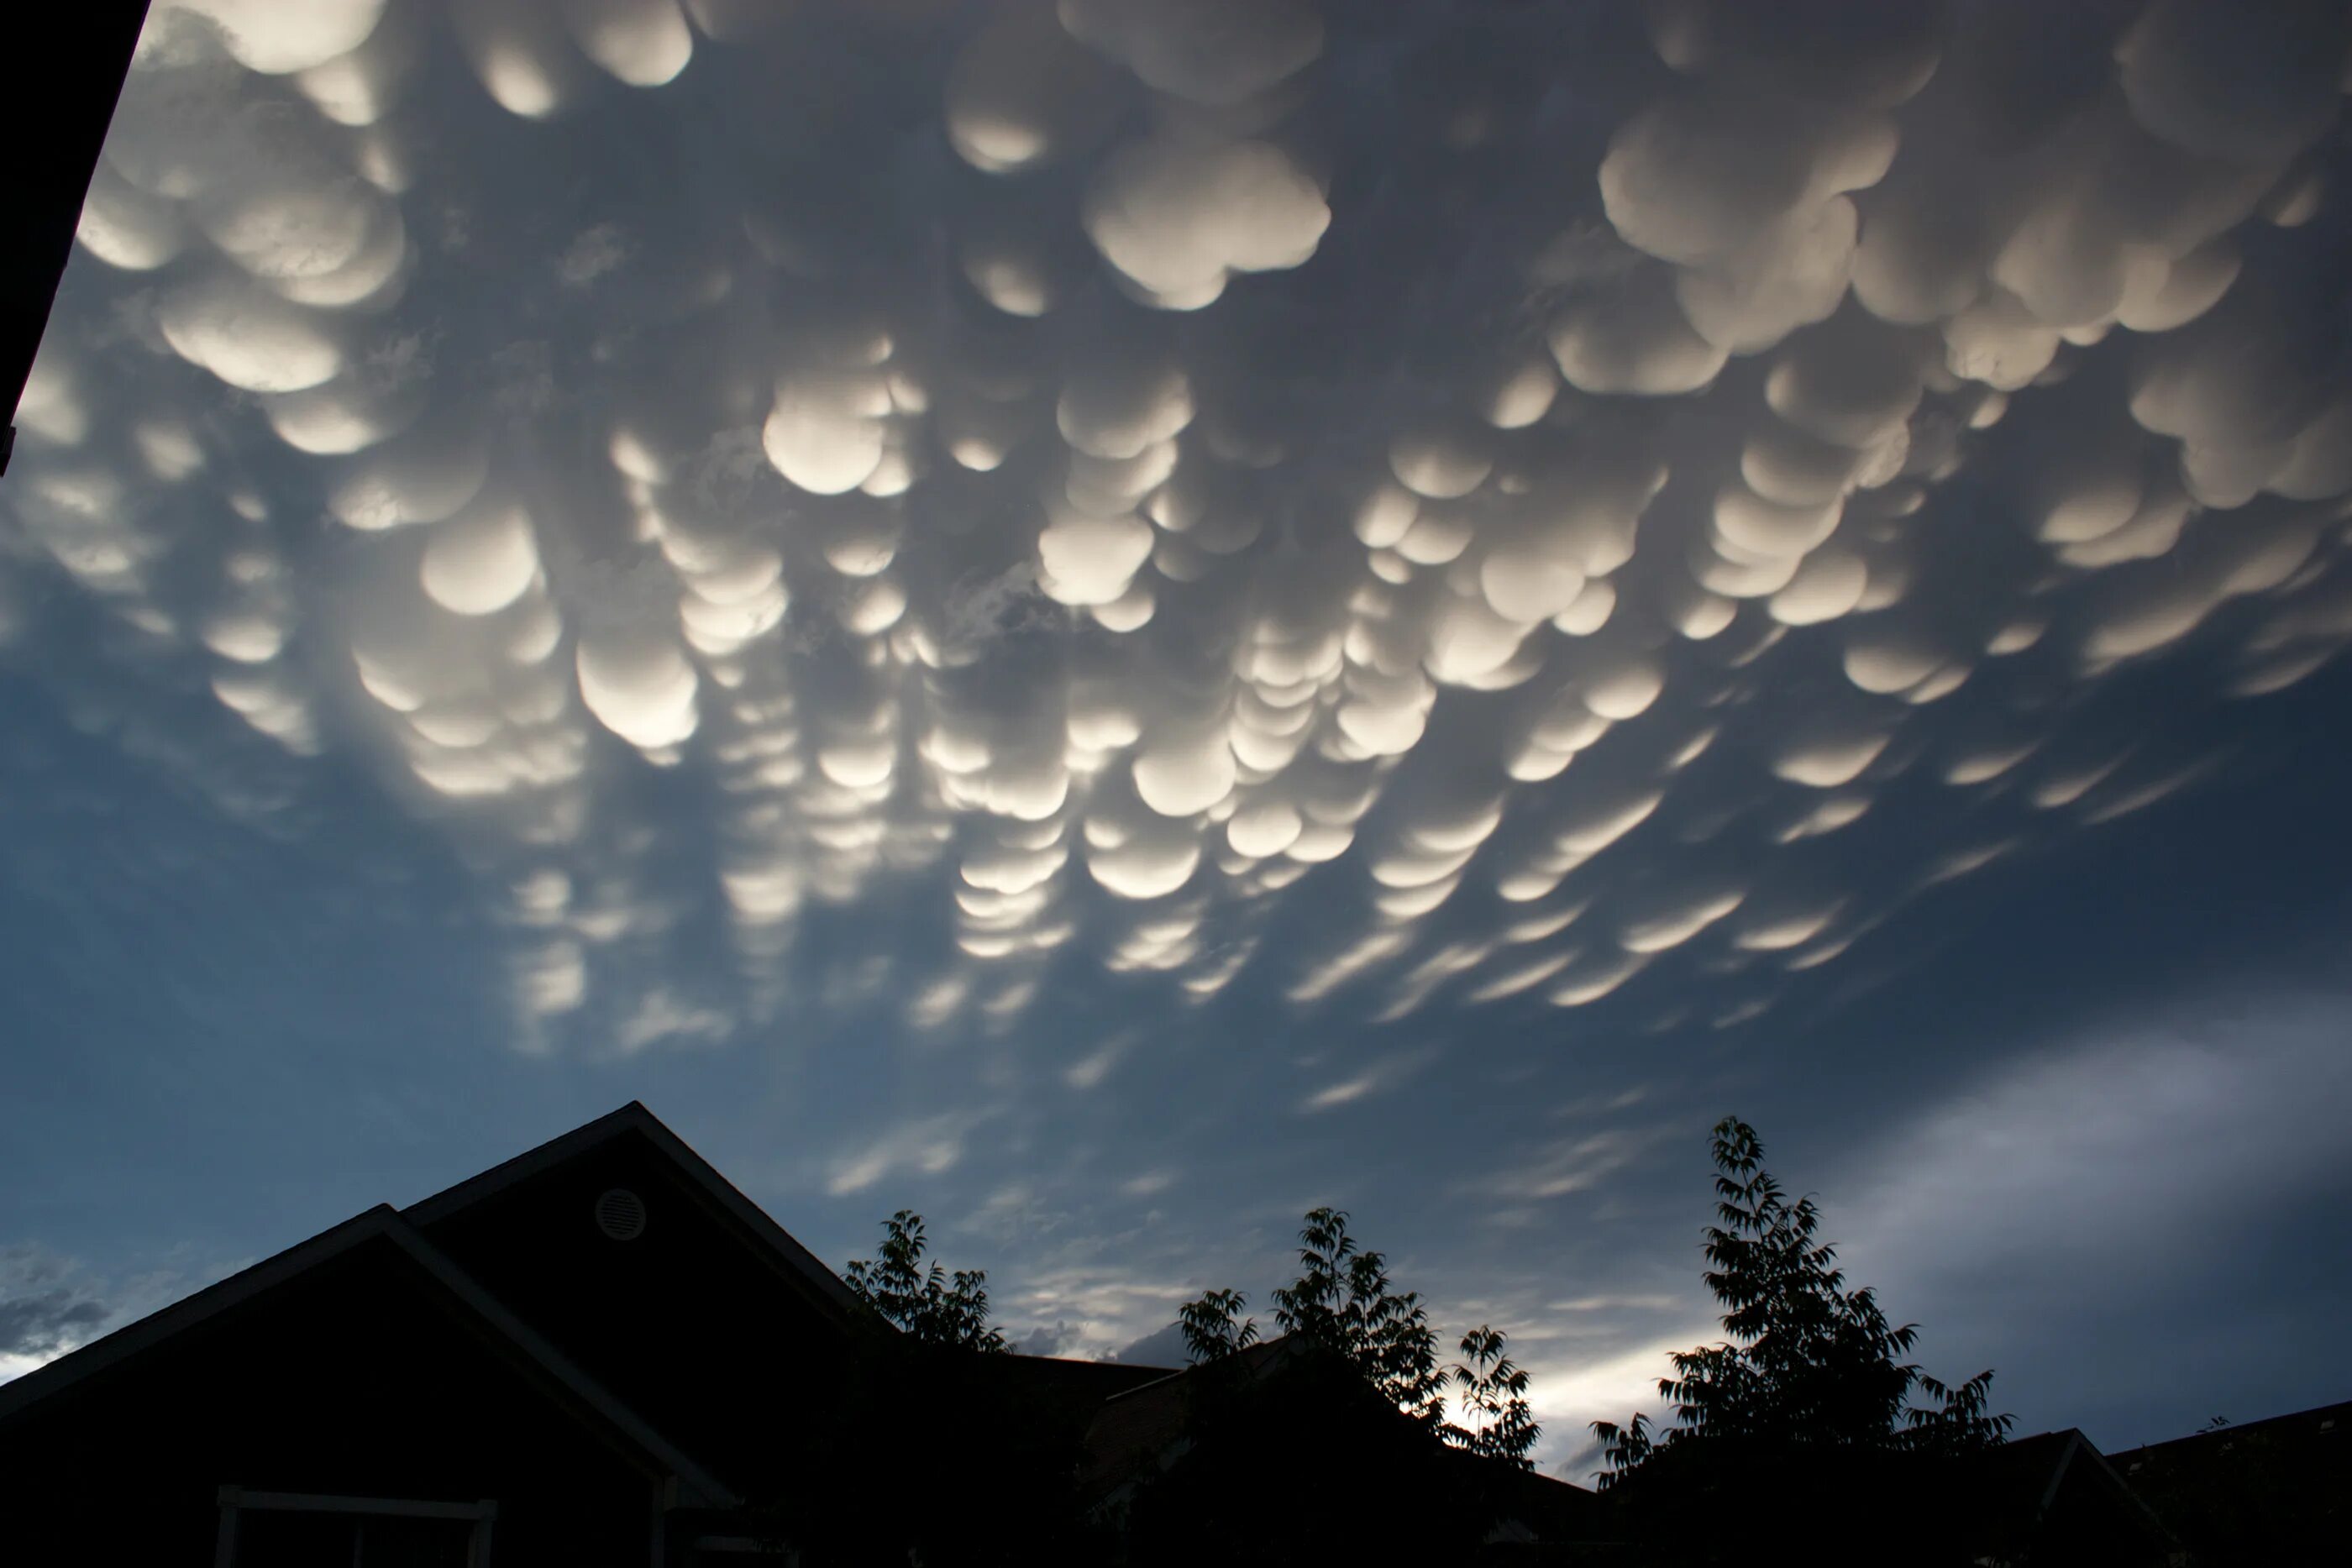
[(1113, 619)]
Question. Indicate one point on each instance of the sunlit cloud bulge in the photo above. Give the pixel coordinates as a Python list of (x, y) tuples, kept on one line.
[(1553, 508), (1010, 467)]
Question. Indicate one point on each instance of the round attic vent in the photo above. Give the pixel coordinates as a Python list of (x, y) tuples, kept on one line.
[(621, 1215)]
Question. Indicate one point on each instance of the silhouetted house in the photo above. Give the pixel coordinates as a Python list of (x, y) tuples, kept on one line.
[(2266, 1492), (596, 1353), (1143, 1432), (1283, 1453), (2046, 1502), (67, 68), (602, 1353), (2054, 1499)]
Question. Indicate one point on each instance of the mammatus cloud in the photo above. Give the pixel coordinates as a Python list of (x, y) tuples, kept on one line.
[(1598, 505), (930, 1147)]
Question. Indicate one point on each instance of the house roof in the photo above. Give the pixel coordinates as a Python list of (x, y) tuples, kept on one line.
[(2020, 1481), (633, 1120), (1084, 1389), (1145, 1427), (696, 1486), (2323, 1429), (2026, 1473), (1142, 1423), (2269, 1490), (1084, 1383), (83, 55)]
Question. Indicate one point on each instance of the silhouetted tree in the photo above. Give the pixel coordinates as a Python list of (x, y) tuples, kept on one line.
[(1309, 1466), (1210, 1330), (1622, 1449), (1495, 1400), (1343, 1300), (1808, 1362), (1958, 1424), (931, 1305)]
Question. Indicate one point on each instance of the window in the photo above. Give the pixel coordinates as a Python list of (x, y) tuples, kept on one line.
[(304, 1529)]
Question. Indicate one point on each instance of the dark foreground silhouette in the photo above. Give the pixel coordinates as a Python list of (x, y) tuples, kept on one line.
[(600, 1351)]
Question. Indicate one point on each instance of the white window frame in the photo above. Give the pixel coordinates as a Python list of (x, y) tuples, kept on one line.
[(236, 1501)]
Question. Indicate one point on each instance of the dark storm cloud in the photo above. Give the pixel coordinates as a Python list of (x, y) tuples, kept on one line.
[(1162, 1347), (43, 1306)]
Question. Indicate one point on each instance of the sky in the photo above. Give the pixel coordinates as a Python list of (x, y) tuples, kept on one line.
[(1113, 619)]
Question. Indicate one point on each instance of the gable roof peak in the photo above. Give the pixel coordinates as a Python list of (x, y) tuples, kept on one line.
[(772, 1240), (385, 1224)]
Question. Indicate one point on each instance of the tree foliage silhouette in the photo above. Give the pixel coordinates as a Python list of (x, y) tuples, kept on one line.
[(1494, 1398), (1310, 1466), (1344, 1301), (1214, 1328), (931, 1305), (1808, 1362)]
